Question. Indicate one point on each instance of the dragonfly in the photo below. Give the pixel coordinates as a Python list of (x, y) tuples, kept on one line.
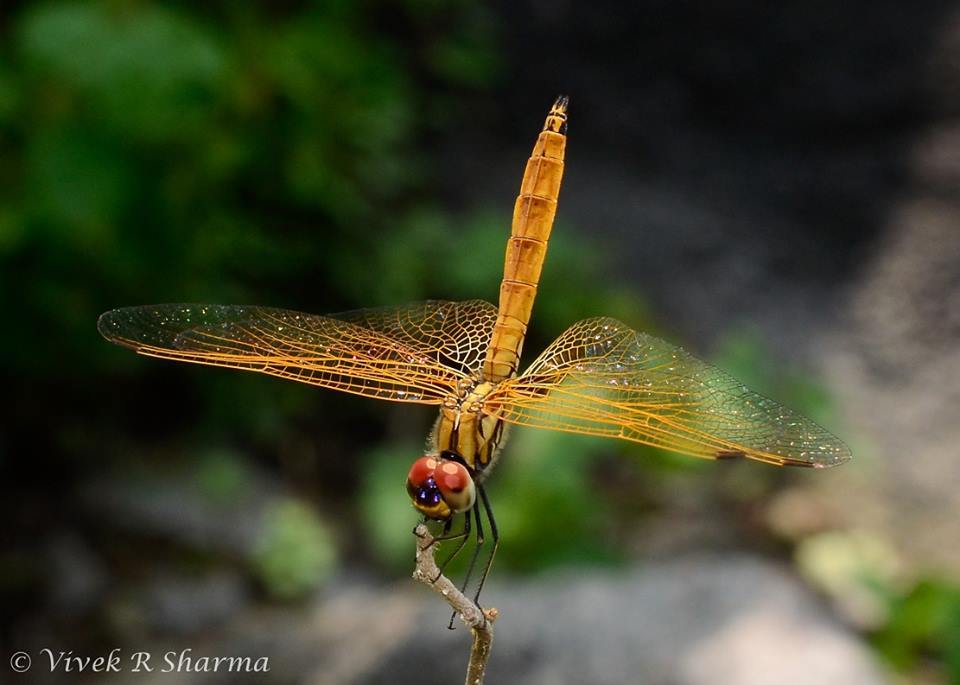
[(599, 378)]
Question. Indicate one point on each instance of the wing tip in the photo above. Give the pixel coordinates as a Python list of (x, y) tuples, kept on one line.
[(133, 326), (834, 453), (841, 456), (106, 322)]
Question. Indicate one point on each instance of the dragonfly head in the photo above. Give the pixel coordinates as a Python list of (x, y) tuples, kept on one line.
[(440, 487)]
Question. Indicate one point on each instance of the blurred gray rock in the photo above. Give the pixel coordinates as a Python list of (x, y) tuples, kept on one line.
[(175, 604), (896, 369), (77, 575), (174, 506), (702, 620), (699, 620)]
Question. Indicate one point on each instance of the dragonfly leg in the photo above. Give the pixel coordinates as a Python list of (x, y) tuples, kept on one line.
[(462, 536), (495, 534), (444, 533), (473, 559)]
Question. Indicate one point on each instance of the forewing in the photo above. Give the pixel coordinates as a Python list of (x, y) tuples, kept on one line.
[(602, 378), (412, 353), (456, 334)]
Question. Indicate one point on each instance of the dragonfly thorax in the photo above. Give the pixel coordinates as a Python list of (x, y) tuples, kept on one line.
[(467, 430), (471, 401)]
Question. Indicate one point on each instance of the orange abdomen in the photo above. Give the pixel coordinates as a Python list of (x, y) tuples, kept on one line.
[(532, 221)]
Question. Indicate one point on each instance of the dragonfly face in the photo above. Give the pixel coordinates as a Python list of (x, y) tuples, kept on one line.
[(440, 487), (599, 378)]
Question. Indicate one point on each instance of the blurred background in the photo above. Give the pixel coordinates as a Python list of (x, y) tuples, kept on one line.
[(772, 186)]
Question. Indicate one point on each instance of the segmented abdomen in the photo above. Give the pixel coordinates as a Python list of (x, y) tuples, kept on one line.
[(532, 221)]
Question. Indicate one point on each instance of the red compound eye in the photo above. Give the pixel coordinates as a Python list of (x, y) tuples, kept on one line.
[(424, 491), (456, 485), (421, 470)]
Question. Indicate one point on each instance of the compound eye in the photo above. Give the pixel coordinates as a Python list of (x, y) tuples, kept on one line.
[(421, 470), (423, 490), (456, 485)]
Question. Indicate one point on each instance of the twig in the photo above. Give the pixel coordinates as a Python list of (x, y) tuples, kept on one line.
[(479, 622)]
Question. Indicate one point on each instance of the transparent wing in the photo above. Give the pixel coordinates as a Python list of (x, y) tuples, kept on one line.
[(456, 334), (602, 378), (412, 353)]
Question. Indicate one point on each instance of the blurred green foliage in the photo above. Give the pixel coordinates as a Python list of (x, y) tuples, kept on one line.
[(222, 476), (232, 153), (858, 570), (554, 503), (386, 515), (923, 631), (223, 152), (295, 551)]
